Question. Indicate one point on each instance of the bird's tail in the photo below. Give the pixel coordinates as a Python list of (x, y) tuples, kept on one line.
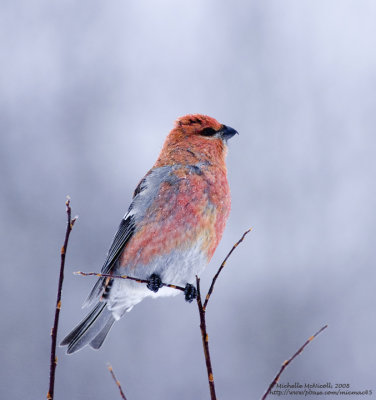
[(92, 330)]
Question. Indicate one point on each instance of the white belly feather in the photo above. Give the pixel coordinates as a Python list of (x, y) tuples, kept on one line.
[(178, 267)]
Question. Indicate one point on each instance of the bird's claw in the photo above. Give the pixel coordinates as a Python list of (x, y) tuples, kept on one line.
[(190, 293), (155, 283)]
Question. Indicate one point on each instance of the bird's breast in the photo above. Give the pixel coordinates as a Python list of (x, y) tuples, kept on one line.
[(185, 220)]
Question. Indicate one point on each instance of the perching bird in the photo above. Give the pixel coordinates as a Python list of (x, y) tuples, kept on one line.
[(171, 230)]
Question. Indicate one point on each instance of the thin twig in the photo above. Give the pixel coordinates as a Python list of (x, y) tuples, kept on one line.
[(222, 266), (117, 382), (202, 312), (205, 341), (127, 277), (287, 362), (53, 358)]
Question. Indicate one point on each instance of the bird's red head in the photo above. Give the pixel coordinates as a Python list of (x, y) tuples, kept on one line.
[(195, 138)]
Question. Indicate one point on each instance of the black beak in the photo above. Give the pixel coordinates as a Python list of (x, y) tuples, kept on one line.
[(227, 133)]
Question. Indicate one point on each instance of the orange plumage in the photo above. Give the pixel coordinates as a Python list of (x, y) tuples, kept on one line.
[(172, 228)]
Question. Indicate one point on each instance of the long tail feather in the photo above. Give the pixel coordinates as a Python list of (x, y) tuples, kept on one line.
[(97, 342), (92, 329)]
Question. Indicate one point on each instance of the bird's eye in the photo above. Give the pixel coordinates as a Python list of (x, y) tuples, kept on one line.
[(208, 132)]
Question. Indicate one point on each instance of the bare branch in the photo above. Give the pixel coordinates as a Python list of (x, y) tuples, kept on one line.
[(205, 341), (117, 382), (222, 266), (53, 358), (287, 362), (202, 312), (127, 277)]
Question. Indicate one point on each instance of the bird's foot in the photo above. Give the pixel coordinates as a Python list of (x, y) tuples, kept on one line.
[(155, 283), (190, 292)]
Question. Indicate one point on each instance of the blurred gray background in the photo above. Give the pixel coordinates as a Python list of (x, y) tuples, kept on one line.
[(88, 92)]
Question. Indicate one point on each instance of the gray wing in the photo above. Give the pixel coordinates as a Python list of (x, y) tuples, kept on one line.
[(124, 233), (143, 197), (122, 236)]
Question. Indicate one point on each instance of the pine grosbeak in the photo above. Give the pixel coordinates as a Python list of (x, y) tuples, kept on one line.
[(171, 230)]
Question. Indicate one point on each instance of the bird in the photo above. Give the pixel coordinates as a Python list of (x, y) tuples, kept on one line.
[(172, 227)]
